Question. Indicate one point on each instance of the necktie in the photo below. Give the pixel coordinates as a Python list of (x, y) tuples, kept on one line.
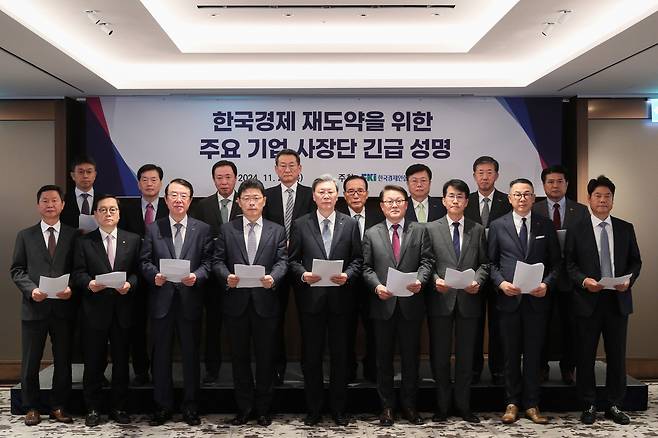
[(326, 236), (85, 203), (110, 249), (251, 243), (149, 217), (523, 236), (606, 261), (223, 211), (358, 220), (52, 243), (421, 215), (455, 239), (557, 221), (178, 240), (484, 215), (396, 242), (287, 214)]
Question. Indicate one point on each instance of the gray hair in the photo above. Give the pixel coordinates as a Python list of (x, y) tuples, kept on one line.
[(324, 178)]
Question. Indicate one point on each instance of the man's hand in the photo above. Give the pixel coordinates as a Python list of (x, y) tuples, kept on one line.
[(414, 287), (623, 287), (124, 289), (65, 294), (310, 278), (189, 280), (382, 292), (441, 285), (339, 279), (509, 289), (38, 296), (539, 291), (473, 288), (592, 285), (95, 287), (267, 281), (160, 279)]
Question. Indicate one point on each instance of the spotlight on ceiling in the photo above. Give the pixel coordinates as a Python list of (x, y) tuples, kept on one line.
[(105, 27), (93, 16), (548, 28)]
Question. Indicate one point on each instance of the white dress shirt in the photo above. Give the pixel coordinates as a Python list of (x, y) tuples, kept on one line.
[(258, 230), (104, 239), (426, 205), (597, 236), (461, 230), (361, 220), (173, 228), (46, 233), (481, 202), (517, 222), (389, 227), (80, 199), (145, 203), (284, 196), (229, 205), (332, 221), (562, 204)]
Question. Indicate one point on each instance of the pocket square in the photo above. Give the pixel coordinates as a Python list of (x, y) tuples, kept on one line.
[(539, 237)]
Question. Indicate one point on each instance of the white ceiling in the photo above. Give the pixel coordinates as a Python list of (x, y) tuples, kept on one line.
[(480, 47)]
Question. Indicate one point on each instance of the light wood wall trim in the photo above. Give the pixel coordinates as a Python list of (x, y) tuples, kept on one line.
[(636, 108), (24, 110)]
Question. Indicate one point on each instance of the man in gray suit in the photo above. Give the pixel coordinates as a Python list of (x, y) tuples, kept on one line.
[(405, 246), (459, 244), (564, 213)]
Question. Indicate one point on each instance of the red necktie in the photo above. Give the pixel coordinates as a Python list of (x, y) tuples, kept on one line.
[(149, 217), (396, 242), (557, 222)]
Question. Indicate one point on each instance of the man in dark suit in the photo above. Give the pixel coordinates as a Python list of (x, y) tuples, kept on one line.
[(327, 235), (484, 206), (458, 243), (422, 207), (564, 213), (405, 246), (176, 306), (602, 246), (81, 199), (135, 216), (45, 249), (355, 189), (252, 312), (215, 210), (107, 311), (286, 202), (520, 236)]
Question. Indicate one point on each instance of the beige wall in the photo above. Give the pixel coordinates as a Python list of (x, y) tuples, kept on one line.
[(26, 163), (626, 151)]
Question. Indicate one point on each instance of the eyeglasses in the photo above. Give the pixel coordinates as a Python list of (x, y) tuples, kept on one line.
[(525, 195), (287, 166), (250, 198), (85, 171), (452, 197), (181, 196), (352, 192), (105, 210), (391, 202)]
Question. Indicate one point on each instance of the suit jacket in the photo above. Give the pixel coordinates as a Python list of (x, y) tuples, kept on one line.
[(435, 210), (473, 255), (582, 260), (415, 255), (306, 244), (574, 213), (505, 251), (207, 210), (197, 248), (71, 212), (90, 260), (272, 253), (273, 210), (374, 214), (32, 260), (499, 206), (132, 218)]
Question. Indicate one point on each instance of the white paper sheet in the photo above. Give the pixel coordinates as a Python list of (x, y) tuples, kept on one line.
[(397, 282), (87, 223), (459, 280), (250, 275), (174, 269), (561, 237), (52, 286), (611, 282), (528, 277), (114, 280), (325, 269)]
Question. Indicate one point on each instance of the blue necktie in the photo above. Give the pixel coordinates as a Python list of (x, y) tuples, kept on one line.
[(523, 237), (455, 239)]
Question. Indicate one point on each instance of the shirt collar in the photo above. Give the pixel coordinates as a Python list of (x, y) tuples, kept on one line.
[(450, 221), (352, 212), (517, 217), (332, 217), (284, 188), (104, 234), (79, 192), (230, 197), (596, 221), (246, 222), (145, 203), (172, 222), (389, 224), (45, 226), (562, 203), (425, 203), (481, 196)]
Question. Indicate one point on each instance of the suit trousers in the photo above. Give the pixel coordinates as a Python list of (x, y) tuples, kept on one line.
[(407, 334), (315, 329), (609, 322), (188, 332), (213, 342), (561, 324), (96, 360), (242, 330), (363, 314), (441, 337), (280, 353), (33, 340), (491, 315), (139, 350), (523, 332)]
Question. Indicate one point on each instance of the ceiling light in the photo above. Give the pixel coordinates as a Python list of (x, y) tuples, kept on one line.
[(105, 27), (93, 16), (547, 29), (564, 16)]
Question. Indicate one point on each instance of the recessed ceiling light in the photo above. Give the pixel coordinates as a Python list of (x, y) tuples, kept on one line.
[(287, 15), (364, 15)]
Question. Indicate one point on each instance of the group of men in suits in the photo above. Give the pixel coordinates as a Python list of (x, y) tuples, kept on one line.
[(284, 229)]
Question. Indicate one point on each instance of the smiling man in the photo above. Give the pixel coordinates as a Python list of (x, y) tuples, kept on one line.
[(422, 207)]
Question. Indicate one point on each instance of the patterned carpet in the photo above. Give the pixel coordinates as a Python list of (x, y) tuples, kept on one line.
[(643, 424)]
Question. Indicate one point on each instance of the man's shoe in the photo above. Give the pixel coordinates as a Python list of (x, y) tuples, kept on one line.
[(440, 417), (589, 415), (386, 417), (32, 418), (312, 419), (60, 416), (264, 420), (141, 380), (93, 418), (568, 377), (511, 414), (210, 378), (120, 417), (191, 417), (340, 419), (240, 419), (159, 417), (498, 379), (615, 414), (412, 416), (534, 415), (469, 417)]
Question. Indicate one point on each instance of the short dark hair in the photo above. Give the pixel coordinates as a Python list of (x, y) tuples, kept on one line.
[(99, 198), (149, 167), (352, 178), (50, 188), (521, 181), (221, 163), (556, 168), (458, 185), (287, 152), (82, 159), (324, 178), (599, 181), (251, 183), (395, 188), (183, 182), (418, 167), (485, 159)]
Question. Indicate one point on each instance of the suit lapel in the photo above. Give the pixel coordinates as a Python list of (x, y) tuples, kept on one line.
[(214, 208), (190, 236), (97, 242), (383, 235), (314, 228), (617, 236), (297, 209), (466, 239), (339, 225), (40, 243), (266, 236), (535, 227), (444, 232), (165, 232), (121, 252), (406, 238), (238, 235), (511, 230)]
